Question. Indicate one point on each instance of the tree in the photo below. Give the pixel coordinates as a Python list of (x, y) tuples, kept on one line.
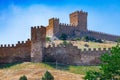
[(23, 77), (110, 66), (47, 76), (65, 43), (83, 39), (99, 40), (86, 38), (63, 36)]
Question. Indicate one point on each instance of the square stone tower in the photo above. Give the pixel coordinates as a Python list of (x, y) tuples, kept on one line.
[(38, 40), (53, 27), (79, 19)]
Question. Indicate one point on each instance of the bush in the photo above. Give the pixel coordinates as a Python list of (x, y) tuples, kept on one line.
[(110, 66), (23, 77), (99, 41), (48, 39), (92, 75), (87, 38), (47, 76), (65, 43), (76, 39), (63, 36), (86, 45)]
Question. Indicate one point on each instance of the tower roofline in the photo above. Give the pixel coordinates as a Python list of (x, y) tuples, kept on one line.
[(81, 11)]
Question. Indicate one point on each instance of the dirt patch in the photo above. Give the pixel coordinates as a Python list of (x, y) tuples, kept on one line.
[(36, 74)]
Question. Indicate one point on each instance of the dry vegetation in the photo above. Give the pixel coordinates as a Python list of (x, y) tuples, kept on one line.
[(81, 44), (34, 71)]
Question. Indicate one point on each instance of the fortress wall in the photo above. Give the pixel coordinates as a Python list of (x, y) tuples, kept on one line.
[(15, 53), (92, 57), (72, 55), (67, 29), (104, 36)]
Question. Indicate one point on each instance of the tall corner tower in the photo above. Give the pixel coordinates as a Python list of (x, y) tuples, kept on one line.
[(38, 36), (79, 18)]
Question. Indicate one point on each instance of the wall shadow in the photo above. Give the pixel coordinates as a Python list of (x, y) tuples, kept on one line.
[(8, 65), (58, 66)]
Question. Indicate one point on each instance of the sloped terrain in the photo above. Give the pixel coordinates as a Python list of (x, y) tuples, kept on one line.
[(35, 71)]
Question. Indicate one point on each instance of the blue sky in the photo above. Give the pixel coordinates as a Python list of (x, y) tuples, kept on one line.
[(17, 16)]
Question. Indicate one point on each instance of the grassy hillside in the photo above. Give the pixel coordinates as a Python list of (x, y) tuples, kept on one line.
[(34, 71)]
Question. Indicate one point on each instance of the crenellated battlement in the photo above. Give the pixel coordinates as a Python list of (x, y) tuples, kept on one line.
[(54, 18), (76, 48), (79, 12), (67, 25), (7, 46), (23, 43), (36, 27), (19, 44), (100, 33)]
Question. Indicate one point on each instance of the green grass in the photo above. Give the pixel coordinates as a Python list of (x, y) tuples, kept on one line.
[(51, 66), (82, 69)]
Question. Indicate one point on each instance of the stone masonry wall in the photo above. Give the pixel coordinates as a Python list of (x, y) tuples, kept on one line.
[(97, 35), (104, 36), (72, 55), (66, 29), (15, 53)]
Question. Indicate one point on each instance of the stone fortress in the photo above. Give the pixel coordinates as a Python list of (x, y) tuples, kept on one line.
[(35, 49)]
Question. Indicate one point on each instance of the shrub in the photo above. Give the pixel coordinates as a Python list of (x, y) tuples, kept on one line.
[(76, 39), (47, 76), (86, 45), (99, 41), (48, 39), (110, 66), (65, 43), (63, 36), (23, 77)]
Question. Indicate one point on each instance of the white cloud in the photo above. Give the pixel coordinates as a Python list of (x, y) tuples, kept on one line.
[(16, 21)]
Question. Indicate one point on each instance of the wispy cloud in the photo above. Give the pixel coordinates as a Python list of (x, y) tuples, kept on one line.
[(16, 21)]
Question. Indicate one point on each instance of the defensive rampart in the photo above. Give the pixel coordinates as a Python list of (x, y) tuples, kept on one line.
[(15, 53), (70, 54), (103, 36)]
